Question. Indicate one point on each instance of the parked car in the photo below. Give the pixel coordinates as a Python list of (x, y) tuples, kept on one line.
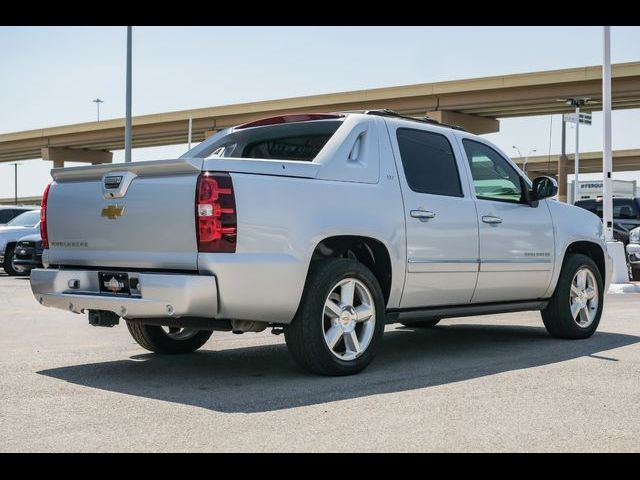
[(25, 224), (28, 253), (9, 212), (633, 253), (626, 214), (325, 227)]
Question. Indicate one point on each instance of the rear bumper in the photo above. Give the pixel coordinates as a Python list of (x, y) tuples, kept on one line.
[(159, 295)]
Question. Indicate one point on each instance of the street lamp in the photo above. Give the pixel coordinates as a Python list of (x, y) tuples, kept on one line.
[(98, 101), (526, 159), (518, 150)]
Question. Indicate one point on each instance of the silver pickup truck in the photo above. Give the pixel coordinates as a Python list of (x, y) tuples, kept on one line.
[(324, 226)]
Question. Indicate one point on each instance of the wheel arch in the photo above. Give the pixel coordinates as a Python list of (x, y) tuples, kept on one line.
[(590, 249), (369, 251)]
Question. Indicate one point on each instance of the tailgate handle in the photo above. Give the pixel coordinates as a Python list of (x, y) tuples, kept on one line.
[(116, 184)]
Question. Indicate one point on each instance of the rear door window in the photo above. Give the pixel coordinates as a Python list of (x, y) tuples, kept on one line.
[(428, 162)]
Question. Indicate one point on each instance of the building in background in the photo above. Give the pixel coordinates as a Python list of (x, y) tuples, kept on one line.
[(593, 189)]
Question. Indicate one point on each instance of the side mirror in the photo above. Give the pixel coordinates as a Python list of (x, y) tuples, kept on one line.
[(543, 187)]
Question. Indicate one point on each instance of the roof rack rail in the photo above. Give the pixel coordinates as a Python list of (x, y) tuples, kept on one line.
[(392, 113)]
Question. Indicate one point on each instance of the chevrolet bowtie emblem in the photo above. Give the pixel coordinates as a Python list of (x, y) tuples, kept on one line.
[(112, 212)]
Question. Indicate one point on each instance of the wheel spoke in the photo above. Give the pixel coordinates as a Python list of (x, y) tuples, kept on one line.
[(584, 314), (364, 312), (575, 308), (332, 309), (591, 293), (575, 291), (332, 336), (351, 342), (347, 291)]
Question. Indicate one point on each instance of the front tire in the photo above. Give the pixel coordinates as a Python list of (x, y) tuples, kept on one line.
[(10, 268), (339, 325), (167, 340), (576, 306)]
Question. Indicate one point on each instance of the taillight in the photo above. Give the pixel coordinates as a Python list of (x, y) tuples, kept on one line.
[(43, 218), (216, 223)]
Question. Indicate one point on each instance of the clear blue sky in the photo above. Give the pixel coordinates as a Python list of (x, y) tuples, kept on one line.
[(50, 75)]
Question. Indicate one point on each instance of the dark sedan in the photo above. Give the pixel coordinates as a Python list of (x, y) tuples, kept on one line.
[(28, 252)]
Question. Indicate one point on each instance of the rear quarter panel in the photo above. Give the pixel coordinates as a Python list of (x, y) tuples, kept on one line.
[(280, 222)]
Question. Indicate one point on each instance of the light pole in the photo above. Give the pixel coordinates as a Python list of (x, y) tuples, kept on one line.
[(127, 124), (607, 167), (98, 101), (526, 159), (577, 103)]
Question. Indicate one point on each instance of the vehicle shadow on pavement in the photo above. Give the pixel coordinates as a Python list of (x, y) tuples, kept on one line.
[(264, 378)]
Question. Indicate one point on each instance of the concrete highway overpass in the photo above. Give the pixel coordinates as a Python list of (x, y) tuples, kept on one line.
[(590, 162), (475, 104)]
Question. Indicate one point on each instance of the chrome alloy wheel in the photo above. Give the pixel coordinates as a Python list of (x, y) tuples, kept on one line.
[(583, 297), (349, 319), (176, 333)]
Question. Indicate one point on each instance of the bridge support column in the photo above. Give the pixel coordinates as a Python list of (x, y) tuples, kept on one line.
[(562, 178), (471, 123), (59, 155)]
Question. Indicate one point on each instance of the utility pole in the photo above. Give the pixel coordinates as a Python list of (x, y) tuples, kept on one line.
[(127, 125), (98, 101)]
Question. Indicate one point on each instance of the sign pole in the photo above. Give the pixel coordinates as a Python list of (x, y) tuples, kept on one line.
[(607, 212), (576, 165)]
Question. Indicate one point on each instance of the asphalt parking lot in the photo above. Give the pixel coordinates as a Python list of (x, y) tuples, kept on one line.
[(495, 383)]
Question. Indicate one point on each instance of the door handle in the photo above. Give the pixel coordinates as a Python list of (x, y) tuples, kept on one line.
[(492, 220), (422, 214)]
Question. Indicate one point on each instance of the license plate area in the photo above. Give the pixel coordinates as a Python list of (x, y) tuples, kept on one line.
[(114, 283)]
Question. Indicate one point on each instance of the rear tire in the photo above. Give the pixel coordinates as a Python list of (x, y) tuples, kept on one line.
[(156, 339), (12, 269), (576, 306), (635, 274), (339, 325), (421, 323)]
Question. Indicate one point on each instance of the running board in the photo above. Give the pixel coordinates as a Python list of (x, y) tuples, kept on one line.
[(450, 311)]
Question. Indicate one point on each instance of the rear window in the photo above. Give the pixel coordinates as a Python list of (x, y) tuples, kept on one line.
[(300, 141), (624, 209)]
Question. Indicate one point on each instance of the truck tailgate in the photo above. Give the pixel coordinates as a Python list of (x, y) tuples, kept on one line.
[(147, 221)]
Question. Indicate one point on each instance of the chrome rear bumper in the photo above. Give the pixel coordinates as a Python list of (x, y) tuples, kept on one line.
[(158, 295)]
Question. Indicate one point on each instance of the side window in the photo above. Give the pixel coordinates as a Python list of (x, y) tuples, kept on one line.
[(428, 162), (6, 215), (624, 209), (493, 177)]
